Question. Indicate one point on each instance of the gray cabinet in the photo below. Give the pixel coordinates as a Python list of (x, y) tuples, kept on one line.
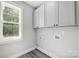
[(77, 13), (39, 17), (54, 13), (51, 13), (66, 13), (36, 19)]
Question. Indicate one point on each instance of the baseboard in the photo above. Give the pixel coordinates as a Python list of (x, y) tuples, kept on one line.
[(35, 47), (48, 53), (21, 53)]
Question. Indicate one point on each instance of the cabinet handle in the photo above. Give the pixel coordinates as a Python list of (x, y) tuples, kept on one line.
[(56, 24), (57, 37)]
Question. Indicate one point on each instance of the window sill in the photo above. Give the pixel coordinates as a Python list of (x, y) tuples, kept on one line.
[(12, 38)]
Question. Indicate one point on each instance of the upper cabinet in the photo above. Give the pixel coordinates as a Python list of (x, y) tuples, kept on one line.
[(51, 13), (39, 17), (66, 13), (36, 19), (77, 13), (56, 13)]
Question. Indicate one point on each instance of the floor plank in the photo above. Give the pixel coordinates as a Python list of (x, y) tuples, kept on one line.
[(34, 54)]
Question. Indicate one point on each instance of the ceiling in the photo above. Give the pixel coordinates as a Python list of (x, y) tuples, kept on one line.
[(34, 4)]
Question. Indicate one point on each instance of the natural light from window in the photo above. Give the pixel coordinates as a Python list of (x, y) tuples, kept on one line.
[(11, 20)]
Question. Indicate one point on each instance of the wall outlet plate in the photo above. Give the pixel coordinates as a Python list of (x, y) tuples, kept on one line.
[(58, 35)]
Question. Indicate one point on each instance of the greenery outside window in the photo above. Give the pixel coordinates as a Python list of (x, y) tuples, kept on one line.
[(11, 20)]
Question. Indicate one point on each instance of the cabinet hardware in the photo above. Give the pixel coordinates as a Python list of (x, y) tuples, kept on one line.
[(56, 24), (57, 37)]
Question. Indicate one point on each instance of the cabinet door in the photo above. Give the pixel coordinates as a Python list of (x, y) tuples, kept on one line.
[(41, 15), (51, 13), (66, 13), (36, 18), (77, 13)]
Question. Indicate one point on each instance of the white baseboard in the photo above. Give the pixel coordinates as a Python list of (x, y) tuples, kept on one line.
[(35, 47), (21, 53), (48, 53)]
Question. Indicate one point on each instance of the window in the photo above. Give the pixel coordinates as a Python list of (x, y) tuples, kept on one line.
[(11, 20)]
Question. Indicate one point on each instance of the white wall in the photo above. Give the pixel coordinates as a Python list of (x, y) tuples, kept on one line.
[(78, 35), (28, 41), (64, 47), (78, 40)]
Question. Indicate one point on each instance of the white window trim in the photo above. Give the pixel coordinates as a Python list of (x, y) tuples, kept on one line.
[(3, 4)]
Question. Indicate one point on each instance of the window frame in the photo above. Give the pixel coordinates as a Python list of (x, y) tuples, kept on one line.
[(3, 4)]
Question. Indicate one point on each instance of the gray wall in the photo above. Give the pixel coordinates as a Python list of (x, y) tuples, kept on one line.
[(28, 41), (63, 47), (78, 36), (78, 40)]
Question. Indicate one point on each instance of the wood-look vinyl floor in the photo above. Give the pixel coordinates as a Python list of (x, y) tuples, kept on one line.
[(34, 54)]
